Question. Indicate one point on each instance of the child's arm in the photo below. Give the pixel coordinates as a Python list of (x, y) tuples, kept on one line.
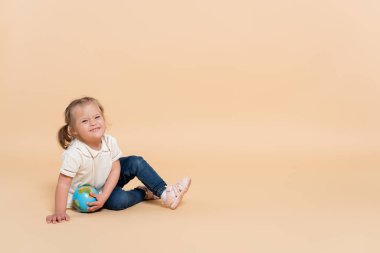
[(110, 184), (61, 193)]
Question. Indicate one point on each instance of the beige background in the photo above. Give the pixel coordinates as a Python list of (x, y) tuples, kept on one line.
[(270, 106)]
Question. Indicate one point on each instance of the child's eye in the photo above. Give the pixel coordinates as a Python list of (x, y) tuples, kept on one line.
[(84, 121), (97, 117)]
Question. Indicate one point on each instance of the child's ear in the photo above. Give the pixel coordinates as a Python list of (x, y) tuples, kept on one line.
[(71, 131)]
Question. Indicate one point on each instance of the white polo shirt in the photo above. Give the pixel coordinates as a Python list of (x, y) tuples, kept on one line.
[(88, 166)]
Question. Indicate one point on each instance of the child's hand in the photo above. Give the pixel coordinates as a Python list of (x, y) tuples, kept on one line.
[(57, 218), (100, 200)]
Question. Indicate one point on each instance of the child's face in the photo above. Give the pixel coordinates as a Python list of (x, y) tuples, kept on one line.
[(88, 123)]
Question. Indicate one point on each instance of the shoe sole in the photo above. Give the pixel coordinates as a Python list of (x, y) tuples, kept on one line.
[(174, 205)]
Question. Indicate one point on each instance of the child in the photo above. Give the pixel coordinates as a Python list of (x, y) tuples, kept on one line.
[(93, 157)]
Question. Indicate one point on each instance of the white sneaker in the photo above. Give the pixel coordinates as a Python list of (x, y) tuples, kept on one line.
[(174, 193)]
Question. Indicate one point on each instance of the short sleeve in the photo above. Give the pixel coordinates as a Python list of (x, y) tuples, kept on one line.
[(115, 150), (71, 163)]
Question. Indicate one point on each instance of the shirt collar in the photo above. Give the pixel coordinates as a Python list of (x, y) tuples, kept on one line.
[(88, 151)]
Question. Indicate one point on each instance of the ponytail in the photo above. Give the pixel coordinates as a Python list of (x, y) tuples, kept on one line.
[(64, 137)]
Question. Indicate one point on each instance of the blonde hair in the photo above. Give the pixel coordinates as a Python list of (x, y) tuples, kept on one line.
[(64, 136)]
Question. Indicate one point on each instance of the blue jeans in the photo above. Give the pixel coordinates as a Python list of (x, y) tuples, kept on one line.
[(131, 167)]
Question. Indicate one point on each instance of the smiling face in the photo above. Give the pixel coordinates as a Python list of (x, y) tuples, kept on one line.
[(88, 124)]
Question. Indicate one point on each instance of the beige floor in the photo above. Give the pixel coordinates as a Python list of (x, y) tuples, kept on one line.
[(263, 203), (270, 106)]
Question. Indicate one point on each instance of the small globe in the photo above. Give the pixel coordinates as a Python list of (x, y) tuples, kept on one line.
[(82, 196)]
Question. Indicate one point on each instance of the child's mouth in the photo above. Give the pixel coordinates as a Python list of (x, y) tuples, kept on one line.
[(95, 129)]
